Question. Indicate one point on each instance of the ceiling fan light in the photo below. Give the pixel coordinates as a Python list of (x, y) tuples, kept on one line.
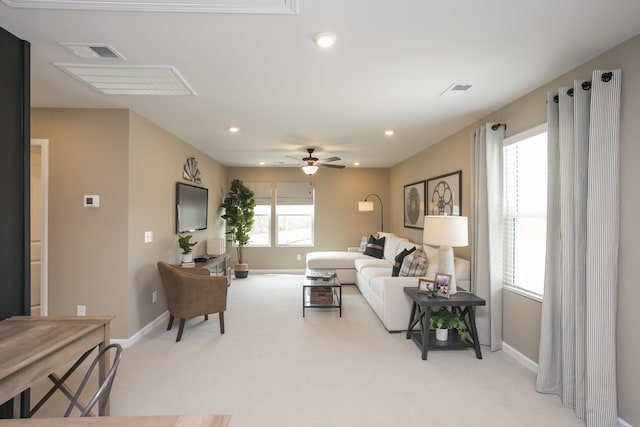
[(309, 169)]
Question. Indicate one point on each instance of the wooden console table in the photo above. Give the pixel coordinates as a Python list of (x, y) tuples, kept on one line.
[(217, 266), (421, 311), (32, 348)]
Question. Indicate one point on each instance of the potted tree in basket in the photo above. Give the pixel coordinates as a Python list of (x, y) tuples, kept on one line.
[(238, 205), (187, 246), (445, 319)]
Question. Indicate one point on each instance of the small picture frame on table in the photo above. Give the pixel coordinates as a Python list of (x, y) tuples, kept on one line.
[(426, 287), (442, 282)]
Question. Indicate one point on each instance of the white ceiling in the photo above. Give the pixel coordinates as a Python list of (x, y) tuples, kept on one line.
[(263, 73)]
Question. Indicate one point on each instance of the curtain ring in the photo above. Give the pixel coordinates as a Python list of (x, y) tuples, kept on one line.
[(570, 92), (607, 76), (586, 85)]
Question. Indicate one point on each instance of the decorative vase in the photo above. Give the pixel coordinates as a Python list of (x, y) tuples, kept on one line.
[(442, 334), (187, 258), (241, 270)]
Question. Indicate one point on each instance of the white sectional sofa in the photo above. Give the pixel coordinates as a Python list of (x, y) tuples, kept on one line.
[(384, 293)]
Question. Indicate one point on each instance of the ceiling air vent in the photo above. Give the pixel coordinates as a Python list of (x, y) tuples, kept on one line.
[(92, 50), (130, 80), (456, 89)]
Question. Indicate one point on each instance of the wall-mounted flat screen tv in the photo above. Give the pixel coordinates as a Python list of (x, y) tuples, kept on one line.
[(191, 207)]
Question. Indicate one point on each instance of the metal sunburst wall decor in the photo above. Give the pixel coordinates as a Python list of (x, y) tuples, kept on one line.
[(190, 171)]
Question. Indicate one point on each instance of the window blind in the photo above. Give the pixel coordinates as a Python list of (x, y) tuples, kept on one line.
[(262, 192), (525, 213), (294, 193)]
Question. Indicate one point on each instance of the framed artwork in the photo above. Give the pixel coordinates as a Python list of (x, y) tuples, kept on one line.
[(444, 194), (414, 205), (426, 286), (442, 284)]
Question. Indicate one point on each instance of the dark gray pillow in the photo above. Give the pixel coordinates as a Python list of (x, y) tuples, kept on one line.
[(375, 247), (399, 258)]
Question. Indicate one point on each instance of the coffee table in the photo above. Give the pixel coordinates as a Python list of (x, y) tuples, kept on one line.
[(321, 289)]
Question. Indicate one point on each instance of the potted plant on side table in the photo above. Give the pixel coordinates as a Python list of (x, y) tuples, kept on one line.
[(445, 319), (187, 246), (239, 205)]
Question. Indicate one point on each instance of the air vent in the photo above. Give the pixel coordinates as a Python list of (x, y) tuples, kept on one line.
[(130, 80), (92, 50), (456, 89)]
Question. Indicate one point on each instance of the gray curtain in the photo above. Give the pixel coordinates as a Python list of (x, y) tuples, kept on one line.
[(486, 226), (577, 339)]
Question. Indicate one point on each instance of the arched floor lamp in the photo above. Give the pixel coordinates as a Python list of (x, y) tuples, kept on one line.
[(367, 206)]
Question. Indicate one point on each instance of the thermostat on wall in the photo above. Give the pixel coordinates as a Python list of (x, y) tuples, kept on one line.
[(91, 201)]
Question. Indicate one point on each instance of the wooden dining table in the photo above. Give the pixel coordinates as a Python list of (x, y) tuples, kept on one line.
[(131, 421), (33, 348)]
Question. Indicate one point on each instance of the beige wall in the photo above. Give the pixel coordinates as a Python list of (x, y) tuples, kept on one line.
[(98, 257), (88, 154), (522, 315), (338, 224), (448, 156), (156, 159)]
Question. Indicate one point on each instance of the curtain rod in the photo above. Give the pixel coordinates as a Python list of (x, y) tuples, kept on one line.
[(605, 77), (496, 126)]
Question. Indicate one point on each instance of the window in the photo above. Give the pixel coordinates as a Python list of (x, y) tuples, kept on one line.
[(294, 213), (525, 211), (260, 234)]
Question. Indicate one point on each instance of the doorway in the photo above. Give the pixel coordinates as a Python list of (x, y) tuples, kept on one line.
[(39, 161)]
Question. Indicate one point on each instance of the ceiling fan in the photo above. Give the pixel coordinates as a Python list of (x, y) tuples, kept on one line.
[(310, 163)]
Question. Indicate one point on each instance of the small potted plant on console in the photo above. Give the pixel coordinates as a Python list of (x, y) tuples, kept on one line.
[(187, 246)]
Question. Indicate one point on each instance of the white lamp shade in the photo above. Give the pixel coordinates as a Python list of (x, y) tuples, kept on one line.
[(446, 230), (365, 206)]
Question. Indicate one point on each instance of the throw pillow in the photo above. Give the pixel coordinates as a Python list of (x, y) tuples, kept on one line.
[(375, 247), (414, 265), (399, 258)]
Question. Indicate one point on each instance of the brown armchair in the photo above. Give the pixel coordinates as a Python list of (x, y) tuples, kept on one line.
[(192, 293)]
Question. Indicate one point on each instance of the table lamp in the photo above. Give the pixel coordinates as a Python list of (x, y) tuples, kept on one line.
[(446, 232)]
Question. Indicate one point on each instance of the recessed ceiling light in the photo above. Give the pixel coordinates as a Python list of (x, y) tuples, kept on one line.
[(234, 129), (356, 164), (325, 39), (388, 132), (261, 163)]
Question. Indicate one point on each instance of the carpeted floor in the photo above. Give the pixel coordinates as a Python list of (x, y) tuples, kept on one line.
[(273, 367)]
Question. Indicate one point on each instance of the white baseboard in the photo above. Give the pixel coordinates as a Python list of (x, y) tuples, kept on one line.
[(524, 360), (142, 332), (623, 423), (533, 367)]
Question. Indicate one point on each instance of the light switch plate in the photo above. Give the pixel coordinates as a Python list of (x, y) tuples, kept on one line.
[(148, 236)]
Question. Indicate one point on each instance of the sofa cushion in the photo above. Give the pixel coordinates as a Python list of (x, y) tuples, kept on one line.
[(399, 258), (368, 262), (391, 248), (375, 247), (372, 272), (414, 265), (333, 259)]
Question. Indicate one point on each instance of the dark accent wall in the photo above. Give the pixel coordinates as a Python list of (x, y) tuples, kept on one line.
[(14, 176)]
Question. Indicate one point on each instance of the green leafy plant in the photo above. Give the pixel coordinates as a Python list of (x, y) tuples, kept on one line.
[(447, 319), (238, 205), (185, 243)]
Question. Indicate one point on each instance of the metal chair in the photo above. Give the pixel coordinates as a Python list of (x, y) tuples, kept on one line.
[(102, 393)]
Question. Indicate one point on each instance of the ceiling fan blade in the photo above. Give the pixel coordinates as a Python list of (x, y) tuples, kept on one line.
[(294, 158), (331, 159), (331, 166)]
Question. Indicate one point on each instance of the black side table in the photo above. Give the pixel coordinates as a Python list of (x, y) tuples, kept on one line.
[(462, 303)]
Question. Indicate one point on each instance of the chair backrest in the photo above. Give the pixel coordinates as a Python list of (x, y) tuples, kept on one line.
[(189, 294), (104, 389)]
